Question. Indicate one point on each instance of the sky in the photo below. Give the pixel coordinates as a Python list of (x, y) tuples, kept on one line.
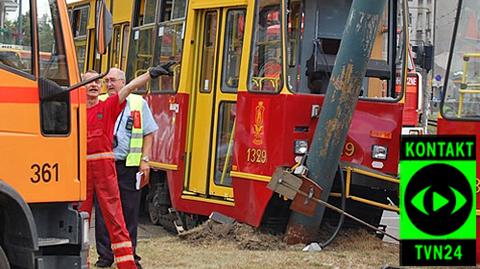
[(42, 9)]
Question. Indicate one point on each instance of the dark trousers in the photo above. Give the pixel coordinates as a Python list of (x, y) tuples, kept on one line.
[(130, 198)]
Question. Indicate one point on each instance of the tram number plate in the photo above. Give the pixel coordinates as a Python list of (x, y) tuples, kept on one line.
[(256, 155)]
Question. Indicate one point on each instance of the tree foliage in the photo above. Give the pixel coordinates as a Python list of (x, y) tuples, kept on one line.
[(18, 32)]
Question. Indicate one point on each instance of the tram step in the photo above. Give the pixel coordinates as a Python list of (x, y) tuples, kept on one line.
[(52, 241), (220, 218)]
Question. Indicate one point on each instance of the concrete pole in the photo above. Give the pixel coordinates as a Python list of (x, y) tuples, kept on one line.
[(337, 110)]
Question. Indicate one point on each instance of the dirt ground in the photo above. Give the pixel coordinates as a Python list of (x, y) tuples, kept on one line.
[(240, 246)]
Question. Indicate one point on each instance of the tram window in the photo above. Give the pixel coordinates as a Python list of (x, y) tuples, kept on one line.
[(208, 52), (295, 15), (140, 51), (150, 8), (15, 36), (115, 46), (266, 67), (173, 9), (123, 61), (314, 32), (166, 13), (80, 50), (53, 66), (144, 12), (79, 21), (169, 43), (461, 98), (224, 147), (179, 8), (233, 50), (93, 54)]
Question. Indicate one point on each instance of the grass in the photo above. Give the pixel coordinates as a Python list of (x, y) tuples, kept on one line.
[(352, 249)]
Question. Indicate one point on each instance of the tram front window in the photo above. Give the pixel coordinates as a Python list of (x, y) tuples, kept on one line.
[(266, 65), (462, 95), (314, 32)]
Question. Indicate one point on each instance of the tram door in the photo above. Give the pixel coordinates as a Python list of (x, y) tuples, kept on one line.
[(219, 50)]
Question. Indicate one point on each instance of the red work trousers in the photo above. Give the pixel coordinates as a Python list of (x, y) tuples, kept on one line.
[(102, 180)]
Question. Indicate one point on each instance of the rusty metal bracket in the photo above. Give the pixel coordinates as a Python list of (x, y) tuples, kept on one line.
[(306, 205), (305, 194), (284, 183)]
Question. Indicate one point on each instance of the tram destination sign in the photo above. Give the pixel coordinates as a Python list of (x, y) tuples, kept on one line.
[(437, 201)]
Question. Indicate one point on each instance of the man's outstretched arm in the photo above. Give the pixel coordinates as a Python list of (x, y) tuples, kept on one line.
[(141, 80)]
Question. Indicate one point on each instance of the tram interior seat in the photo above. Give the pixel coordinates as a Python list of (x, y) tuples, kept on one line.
[(322, 60)]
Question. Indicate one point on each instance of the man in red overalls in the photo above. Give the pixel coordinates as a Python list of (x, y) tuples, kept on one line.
[(101, 173)]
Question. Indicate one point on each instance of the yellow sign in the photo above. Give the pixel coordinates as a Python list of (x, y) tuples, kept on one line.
[(258, 125)]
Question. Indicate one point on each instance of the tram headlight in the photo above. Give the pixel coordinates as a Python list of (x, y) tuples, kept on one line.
[(414, 132), (301, 146), (379, 152)]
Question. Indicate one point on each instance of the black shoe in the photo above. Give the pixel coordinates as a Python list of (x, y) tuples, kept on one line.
[(137, 261), (103, 264)]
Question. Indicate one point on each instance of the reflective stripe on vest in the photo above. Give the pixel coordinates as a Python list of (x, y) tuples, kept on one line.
[(135, 103)]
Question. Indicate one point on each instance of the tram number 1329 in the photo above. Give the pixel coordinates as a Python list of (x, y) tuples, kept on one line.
[(256, 155)]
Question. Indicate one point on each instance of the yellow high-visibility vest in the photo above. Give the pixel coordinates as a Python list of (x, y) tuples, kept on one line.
[(135, 103)]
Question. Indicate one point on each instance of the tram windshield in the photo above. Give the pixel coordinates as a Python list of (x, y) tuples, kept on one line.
[(313, 33), (462, 88)]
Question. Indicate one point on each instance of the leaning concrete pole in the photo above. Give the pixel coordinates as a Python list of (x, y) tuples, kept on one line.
[(337, 110)]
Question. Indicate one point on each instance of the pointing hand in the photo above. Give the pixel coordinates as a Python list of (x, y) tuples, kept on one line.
[(161, 70)]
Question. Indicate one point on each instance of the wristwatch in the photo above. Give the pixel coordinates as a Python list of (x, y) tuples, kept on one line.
[(145, 159)]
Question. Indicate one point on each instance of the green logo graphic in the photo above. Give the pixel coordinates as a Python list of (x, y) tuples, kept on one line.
[(437, 200)]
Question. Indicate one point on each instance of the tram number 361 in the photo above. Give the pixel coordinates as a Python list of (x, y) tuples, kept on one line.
[(44, 172), (256, 155)]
